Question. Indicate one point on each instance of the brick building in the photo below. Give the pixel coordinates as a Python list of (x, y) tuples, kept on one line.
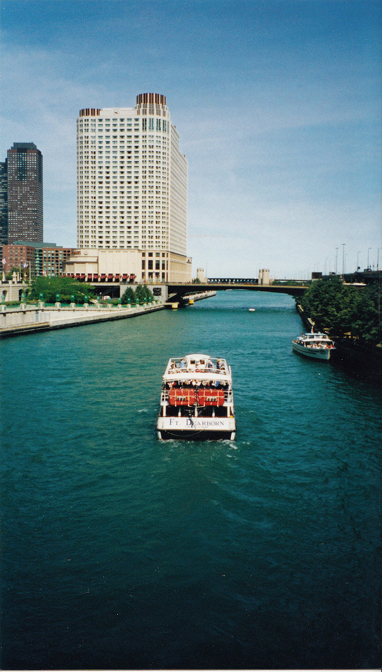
[(35, 259)]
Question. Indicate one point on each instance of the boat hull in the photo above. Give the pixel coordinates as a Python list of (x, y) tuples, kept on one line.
[(196, 428), (313, 353)]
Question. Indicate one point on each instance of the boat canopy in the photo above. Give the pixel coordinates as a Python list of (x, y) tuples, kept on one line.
[(197, 367)]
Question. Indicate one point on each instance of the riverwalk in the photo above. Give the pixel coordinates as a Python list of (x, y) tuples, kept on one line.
[(30, 318)]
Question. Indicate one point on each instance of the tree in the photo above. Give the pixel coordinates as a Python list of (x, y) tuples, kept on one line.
[(65, 287), (128, 296), (142, 292), (366, 321), (343, 309)]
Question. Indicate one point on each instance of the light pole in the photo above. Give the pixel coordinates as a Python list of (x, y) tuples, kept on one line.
[(343, 258), (336, 259), (368, 262)]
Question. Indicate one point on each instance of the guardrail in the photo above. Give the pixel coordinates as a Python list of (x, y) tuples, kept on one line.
[(234, 281)]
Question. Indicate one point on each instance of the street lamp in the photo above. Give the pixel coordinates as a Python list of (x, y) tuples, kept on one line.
[(343, 258), (336, 259)]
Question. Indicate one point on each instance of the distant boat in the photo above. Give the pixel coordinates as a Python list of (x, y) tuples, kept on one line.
[(251, 310), (317, 346)]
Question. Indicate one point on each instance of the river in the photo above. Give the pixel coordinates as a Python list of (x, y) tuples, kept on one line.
[(120, 551)]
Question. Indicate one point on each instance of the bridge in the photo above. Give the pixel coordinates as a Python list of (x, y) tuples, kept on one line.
[(178, 290)]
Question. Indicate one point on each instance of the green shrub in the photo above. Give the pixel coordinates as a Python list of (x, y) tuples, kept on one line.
[(65, 287), (128, 294), (142, 292)]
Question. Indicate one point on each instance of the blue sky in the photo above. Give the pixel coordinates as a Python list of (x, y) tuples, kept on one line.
[(277, 103)]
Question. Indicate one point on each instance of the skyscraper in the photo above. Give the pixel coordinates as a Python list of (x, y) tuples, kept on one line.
[(25, 192), (132, 182), (3, 203)]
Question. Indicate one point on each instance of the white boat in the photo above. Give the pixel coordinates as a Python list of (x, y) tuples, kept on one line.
[(315, 345), (197, 399), (251, 310)]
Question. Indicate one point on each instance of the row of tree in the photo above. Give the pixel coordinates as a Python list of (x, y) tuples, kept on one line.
[(342, 309), (66, 290)]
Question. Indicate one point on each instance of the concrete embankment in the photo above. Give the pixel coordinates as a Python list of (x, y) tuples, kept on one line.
[(306, 320), (201, 296), (29, 319)]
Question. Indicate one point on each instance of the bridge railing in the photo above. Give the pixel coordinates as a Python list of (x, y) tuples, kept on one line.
[(234, 281)]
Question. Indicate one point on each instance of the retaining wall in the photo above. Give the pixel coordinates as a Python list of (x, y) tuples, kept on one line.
[(14, 322)]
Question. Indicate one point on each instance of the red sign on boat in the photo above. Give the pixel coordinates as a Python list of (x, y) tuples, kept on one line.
[(211, 397), (181, 397)]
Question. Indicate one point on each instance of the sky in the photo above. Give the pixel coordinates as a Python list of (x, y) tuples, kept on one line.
[(277, 104)]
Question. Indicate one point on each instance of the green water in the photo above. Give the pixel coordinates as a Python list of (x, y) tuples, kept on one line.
[(120, 551)]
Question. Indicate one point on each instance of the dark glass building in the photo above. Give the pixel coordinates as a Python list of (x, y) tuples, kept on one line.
[(25, 188), (3, 204)]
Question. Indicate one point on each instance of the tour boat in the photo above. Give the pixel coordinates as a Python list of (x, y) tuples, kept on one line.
[(317, 346), (196, 399)]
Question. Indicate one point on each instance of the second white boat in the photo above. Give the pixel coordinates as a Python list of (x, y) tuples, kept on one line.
[(314, 345)]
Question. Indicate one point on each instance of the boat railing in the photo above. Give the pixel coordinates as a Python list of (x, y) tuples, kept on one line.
[(228, 395), (191, 370)]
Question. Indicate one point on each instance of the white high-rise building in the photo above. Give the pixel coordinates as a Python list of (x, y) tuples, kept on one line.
[(132, 186)]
